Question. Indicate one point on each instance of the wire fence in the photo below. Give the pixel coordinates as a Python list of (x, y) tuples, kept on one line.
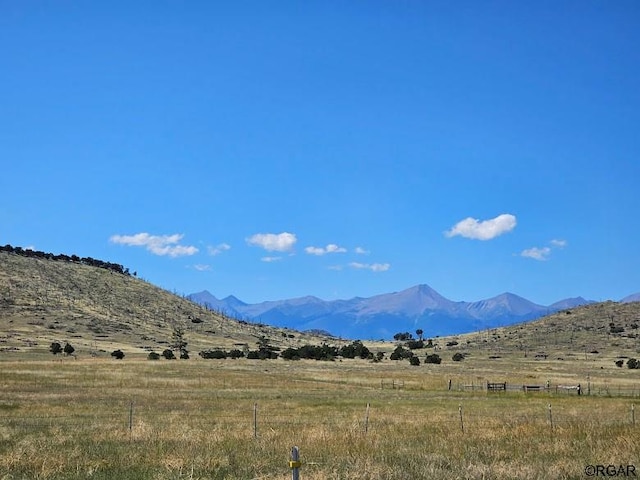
[(588, 388), (252, 422)]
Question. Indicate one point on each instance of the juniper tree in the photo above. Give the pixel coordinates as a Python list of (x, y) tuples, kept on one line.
[(179, 343), (68, 349)]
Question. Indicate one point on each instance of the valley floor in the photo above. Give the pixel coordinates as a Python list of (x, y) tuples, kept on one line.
[(238, 419)]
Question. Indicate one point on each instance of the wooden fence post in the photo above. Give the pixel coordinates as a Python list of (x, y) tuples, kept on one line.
[(366, 420), (255, 420), (461, 421), (550, 418), (633, 414), (131, 420), (295, 463)]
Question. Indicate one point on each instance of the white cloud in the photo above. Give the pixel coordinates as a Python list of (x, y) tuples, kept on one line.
[(157, 244), (331, 248), (361, 251), (271, 259), (543, 253), (374, 267), (272, 242), (218, 249), (483, 230), (202, 268), (335, 267), (536, 253)]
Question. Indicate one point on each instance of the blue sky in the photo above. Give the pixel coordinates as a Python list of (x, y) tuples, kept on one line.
[(271, 150)]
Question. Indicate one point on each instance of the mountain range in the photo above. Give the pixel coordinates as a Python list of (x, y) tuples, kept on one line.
[(382, 316)]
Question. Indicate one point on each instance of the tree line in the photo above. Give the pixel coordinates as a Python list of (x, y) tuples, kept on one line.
[(26, 252)]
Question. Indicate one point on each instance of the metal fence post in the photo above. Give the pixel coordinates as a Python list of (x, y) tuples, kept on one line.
[(295, 463)]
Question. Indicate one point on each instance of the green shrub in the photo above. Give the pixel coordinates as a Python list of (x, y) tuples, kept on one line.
[(290, 354), (415, 344), (235, 353), (68, 349), (433, 358), (216, 354), (355, 349), (400, 353), (168, 354)]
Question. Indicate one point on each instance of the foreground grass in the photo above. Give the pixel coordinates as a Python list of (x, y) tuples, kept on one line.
[(104, 419)]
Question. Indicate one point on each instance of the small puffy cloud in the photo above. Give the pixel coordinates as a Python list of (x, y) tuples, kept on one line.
[(157, 244), (270, 259), (331, 248), (202, 268), (483, 230), (218, 249), (361, 251), (374, 267), (543, 253), (273, 242), (536, 253)]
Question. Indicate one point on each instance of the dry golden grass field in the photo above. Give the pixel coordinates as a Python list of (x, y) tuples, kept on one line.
[(238, 419), (90, 416)]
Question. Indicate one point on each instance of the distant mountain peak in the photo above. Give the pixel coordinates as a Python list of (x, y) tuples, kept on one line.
[(631, 298), (204, 293), (569, 303), (380, 316), (233, 301)]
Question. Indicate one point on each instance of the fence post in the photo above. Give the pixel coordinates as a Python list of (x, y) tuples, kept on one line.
[(255, 420), (366, 420), (461, 421), (295, 463), (131, 420), (550, 418), (633, 414)]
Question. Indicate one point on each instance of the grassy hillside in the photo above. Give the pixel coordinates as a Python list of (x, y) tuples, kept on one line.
[(99, 310), (600, 329)]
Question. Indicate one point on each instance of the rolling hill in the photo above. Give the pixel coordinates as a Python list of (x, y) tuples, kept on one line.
[(99, 307)]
